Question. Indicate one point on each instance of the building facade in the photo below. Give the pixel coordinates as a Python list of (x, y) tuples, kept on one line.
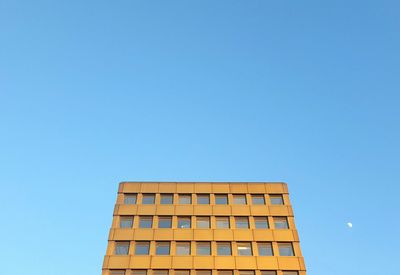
[(203, 228)]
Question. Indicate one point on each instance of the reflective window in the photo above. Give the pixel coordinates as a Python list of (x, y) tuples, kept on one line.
[(185, 199), (265, 249), (268, 272), (261, 222), (257, 199), (166, 199), (221, 199), (126, 221), (148, 199), (203, 248), (203, 272), (246, 272), (242, 222), (224, 248), (142, 248), (285, 249), (183, 248), (164, 222), (222, 222), (145, 222), (130, 198), (117, 272), (281, 223), (225, 272), (184, 222), (162, 248), (244, 249), (290, 273), (160, 272), (276, 199), (139, 272), (121, 248), (203, 222), (203, 199), (239, 199)]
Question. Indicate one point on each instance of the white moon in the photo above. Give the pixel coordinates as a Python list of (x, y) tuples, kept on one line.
[(349, 224)]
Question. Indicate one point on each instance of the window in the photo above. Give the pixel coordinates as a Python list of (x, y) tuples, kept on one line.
[(265, 249), (225, 272), (130, 198), (281, 223), (162, 248), (121, 248), (148, 199), (203, 248), (290, 273), (126, 221), (182, 272), (261, 222), (268, 272), (246, 272), (167, 199), (203, 272), (276, 199), (257, 199), (221, 199), (184, 222), (117, 272), (142, 248), (139, 272), (203, 222), (164, 222), (183, 248), (242, 222), (285, 249), (160, 272), (145, 222), (185, 199), (222, 222), (239, 199), (203, 199), (244, 249), (224, 248)]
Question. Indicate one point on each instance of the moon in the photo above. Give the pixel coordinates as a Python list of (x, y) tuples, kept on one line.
[(349, 224)]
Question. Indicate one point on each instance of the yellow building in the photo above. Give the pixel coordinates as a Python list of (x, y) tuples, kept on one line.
[(203, 228)]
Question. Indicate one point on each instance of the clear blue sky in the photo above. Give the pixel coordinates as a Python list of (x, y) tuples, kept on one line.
[(97, 92)]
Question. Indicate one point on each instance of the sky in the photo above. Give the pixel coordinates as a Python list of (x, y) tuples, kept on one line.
[(93, 93)]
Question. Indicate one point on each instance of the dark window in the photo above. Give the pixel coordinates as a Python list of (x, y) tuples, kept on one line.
[(246, 272), (130, 198), (257, 199), (261, 222), (164, 222), (148, 199), (117, 272), (182, 272), (285, 249), (203, 272), (276, 199), (225, 272), (125, 221), (203, 199), (121, 248), (265, 249), (160, 272), (221, 199), (290, 273), (268, 272), (142, 248), (162, 248), (224, 248), (139, 272), (167, 199), (146, 222)]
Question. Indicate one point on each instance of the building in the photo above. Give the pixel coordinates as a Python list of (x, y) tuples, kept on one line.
[(203, 228)]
